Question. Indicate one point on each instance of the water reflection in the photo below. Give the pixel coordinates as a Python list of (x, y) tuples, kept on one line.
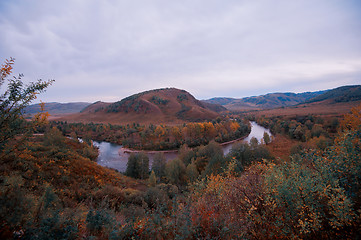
[(111, 155), (257, 131)]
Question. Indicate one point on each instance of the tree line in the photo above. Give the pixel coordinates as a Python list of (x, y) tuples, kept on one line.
[(159, 137)]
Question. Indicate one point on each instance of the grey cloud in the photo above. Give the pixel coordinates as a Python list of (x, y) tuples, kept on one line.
[(106, 50)]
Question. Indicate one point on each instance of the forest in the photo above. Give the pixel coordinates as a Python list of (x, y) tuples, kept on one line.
[(52, 188), (158, 137)]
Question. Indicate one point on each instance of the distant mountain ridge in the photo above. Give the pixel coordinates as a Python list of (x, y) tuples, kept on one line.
[(267, 101), (331, 103), (340, 94), (54, 108), (173, 105)]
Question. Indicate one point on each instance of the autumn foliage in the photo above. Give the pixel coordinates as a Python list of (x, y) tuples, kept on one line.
[(51, 188), (152, 137)]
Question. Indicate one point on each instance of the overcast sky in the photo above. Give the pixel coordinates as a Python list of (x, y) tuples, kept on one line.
[(109, 49)]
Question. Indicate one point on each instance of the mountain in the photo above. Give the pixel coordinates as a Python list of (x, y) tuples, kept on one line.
[(340, 94), (332, 103), (166, 105), (268, 101), (95, 107), (54, 108)]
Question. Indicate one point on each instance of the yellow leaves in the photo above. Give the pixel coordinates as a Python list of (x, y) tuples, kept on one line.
[(159, 131), (234, 126), (41, 118)]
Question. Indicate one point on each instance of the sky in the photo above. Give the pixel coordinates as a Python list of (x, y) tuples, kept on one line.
[(110, 49)]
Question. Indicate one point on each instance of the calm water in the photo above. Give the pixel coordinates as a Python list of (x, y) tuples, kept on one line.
[(257, 131), (110, 155)]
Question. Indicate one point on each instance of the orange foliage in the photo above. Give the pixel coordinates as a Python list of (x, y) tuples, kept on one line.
[(352, 121), (6, 68)]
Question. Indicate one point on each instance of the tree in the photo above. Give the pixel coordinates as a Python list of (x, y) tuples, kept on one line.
[(205, 153), (186, 154), (13, 100), (53, 137), (352, 121), (216, 165), (243, 155), (138, 165), (176, 171), (158, 165), (152, 181), (253, 142), (266, 138), (192, 172)]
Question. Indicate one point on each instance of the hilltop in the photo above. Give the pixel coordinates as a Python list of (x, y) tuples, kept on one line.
[(166, 105)]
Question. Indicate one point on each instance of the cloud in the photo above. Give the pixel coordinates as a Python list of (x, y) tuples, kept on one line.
[(106, 50)]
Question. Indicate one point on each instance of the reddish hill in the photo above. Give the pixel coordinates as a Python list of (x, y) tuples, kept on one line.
[(95, 107), (167, 105)]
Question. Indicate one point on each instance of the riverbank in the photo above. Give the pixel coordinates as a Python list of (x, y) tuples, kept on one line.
[(233, 141), (128, 150), (116, 156)]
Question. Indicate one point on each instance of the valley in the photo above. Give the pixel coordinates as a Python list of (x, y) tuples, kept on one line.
[(180, 120), (116, 156), (162, 164)]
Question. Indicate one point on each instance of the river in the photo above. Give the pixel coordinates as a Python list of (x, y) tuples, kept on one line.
[(257, 131), (112, 156)]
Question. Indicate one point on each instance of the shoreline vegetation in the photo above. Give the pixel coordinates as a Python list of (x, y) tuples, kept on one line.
[(136, 137), (129, 150)]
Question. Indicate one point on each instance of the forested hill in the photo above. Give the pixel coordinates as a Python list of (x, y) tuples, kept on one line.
[(268, 101), (166, 105), (340, 94)]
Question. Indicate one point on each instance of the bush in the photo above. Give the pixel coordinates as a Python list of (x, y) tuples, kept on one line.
[(155, 197), (99, 220)]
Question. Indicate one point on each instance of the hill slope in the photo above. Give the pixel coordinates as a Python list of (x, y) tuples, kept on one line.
[(340, 94), (167, 105), (334, 102), (268, 101)]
